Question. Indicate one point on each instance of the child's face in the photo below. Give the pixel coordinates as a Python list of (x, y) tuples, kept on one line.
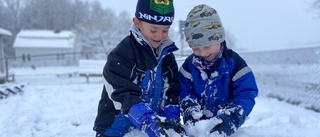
[(207, 53), (155, 34)]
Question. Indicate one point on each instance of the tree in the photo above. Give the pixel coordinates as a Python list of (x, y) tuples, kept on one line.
[(10, 14), (52, 14), (98, 35), (40, 14), (96, 28), (79, 12)]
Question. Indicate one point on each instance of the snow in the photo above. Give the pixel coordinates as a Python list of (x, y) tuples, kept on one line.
[(5, 32), (56, 102), (45, 33), (54, 106), (43, 39), (89, 66)]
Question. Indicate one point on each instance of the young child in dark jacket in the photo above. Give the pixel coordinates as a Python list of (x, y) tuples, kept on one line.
[(216, 83), (141, 75)]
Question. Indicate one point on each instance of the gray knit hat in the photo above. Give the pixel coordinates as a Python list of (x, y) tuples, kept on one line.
[(203, 27)]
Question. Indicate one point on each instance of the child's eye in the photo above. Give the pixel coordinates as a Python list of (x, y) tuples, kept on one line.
[(153, 31)]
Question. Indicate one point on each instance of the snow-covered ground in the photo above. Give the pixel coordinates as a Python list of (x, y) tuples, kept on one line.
[(66, 106)]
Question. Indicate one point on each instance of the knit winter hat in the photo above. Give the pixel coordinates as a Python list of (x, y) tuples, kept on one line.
[(160, 12), (203, 27)]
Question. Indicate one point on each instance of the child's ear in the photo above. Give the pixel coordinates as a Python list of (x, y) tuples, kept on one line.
[(136, 22)]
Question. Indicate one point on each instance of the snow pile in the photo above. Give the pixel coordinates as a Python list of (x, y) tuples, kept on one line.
[(67, 106)]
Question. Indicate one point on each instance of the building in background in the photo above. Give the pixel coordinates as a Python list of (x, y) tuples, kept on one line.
[(45, 47)]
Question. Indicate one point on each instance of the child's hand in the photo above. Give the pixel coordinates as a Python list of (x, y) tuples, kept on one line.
[(171, 112), (144, 119), (232, 118), (192, 113)]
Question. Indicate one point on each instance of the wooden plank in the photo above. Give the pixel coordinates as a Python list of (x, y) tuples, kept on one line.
[(91, 68)]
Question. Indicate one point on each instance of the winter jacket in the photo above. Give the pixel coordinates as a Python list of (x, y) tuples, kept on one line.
[(229, 81), (135, 73)]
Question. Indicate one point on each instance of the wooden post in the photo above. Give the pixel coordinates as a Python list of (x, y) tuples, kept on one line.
[(6, 69)]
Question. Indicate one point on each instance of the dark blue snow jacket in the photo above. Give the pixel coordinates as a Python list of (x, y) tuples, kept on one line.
[(230, 81), (134, 74)]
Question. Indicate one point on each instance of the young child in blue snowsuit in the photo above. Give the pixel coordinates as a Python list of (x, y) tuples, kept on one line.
[(141, 75), (215, 81)]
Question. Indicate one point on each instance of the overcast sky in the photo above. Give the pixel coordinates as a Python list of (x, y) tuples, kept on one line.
[(267, 24)]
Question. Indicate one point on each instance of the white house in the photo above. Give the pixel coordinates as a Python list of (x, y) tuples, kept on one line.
[(45, 45)]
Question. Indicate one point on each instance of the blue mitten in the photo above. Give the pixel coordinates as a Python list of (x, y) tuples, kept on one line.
[(192, 113), (172, 115), (144, 119), (232, 118), (171, 112)]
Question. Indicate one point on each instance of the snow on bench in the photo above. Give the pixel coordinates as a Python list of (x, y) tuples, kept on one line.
[(4, 78), (91, 68)]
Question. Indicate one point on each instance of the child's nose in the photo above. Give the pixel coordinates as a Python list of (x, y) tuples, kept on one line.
[(202, 52)]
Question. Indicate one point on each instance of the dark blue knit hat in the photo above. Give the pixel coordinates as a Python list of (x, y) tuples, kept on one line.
[(160, 12)]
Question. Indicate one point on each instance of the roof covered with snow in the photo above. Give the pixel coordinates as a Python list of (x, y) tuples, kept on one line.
[(44, 39), (5, 32)]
